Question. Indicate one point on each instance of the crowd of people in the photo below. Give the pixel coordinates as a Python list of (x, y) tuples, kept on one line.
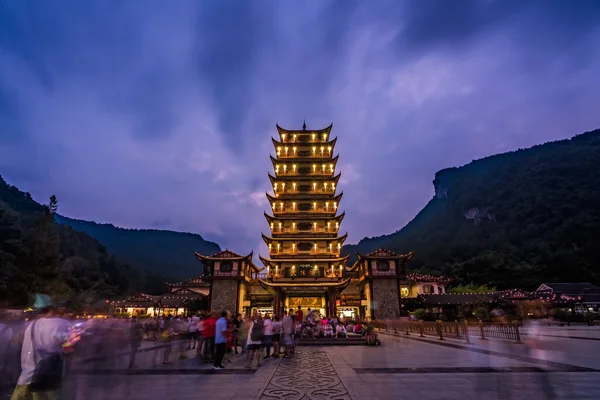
[(212, 338)]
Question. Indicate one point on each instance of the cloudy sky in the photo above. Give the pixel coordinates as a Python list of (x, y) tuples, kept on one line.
[(155, 114)]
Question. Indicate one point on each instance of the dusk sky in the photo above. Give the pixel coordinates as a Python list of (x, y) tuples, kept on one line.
[(159, 114)]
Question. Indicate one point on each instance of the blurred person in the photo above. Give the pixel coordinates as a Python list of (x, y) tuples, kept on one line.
[(276, 329), (167, 335), (41, 357), (268, 336), (220, 339), (288, 332), (135, 340), (255, 336), (193, 332), (209, 337), (300, 314), (340, 331), (237, 323)]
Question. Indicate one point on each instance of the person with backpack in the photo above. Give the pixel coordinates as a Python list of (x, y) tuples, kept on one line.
[(255, 337)]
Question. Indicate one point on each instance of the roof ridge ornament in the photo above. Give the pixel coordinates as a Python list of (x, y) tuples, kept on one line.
[(304, 125)]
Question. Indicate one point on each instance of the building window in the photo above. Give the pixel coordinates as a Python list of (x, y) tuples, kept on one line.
[(428, 289), (226, 266), (305, 246), (383, 266)]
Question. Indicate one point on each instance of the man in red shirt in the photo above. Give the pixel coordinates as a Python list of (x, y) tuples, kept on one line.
[(210, 327), (299, 315)]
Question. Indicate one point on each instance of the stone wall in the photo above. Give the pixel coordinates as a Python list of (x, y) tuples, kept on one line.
[(223, 296), (386, 298)]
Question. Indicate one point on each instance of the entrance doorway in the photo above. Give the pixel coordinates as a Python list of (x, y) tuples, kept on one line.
[(347, 312), (315, 303)]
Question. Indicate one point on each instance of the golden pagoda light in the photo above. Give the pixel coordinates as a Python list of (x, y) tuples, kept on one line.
[(280, 227), (273, 206), (271, 226), (314, 150), (294, 186), (284, 168), (322, 149), (294, 206), (283, 137), (314, 185), (331, 167), (270, 246), (293, 247), (294, 150), (277, 169), (275, 187), (337, 225), (314, 168), (335, 205), (314, 205), (281, 205), (333, 186), (293, 223), (323, 168), (314, 136), (294, 137), (282, 187), (330, 248), (325, 186), (328, 225), (329, 149), (278, 247), (327, 205), (324, 137), (294, 168), (286, 151), (314, 226)]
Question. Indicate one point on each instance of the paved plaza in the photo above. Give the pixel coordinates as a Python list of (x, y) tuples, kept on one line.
[(550, 367)]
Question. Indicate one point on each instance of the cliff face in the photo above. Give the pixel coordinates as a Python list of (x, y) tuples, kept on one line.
[(513, 219)]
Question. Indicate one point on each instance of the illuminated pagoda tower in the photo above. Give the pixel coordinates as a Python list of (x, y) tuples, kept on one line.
[(304, 265)]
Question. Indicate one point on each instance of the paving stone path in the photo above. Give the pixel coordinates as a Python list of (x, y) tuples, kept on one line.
[(308, 375)]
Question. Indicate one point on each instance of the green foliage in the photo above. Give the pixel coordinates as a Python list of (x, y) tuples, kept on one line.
[(482, 313), (39, 256), (540, 219), (170, 254), (472, 288), (419, 314)]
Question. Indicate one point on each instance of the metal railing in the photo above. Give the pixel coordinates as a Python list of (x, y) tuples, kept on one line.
[(442, 330)]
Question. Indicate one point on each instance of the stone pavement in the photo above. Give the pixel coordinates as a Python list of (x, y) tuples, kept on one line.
[(403, 368)]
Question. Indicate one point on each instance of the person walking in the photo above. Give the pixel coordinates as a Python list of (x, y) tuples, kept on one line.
[(255, 336), (267, 339), (221, 334), (135, 340)]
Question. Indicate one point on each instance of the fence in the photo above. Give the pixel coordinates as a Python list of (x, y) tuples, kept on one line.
[(452, 330)]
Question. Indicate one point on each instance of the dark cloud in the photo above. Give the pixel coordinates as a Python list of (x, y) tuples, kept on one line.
[(153, 114)]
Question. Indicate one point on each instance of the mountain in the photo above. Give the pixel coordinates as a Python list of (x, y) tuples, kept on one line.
[(37, 255), (168, 253), (510, 220)]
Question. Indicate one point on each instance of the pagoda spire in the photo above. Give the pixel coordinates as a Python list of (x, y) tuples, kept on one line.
[(304, 125)]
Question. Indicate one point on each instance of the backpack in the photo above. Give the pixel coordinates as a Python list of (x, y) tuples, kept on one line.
[(258, 331)]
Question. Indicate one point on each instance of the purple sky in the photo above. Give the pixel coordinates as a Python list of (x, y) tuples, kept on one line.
[(153, 114)]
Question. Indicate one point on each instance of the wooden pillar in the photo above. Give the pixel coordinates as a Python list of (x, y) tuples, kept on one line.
[(277, 302), (331, 307)]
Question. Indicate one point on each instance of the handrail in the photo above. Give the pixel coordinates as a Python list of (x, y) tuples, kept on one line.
[(452, 329)]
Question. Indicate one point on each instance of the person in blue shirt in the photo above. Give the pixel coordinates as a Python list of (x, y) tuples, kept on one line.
[(221, 333)]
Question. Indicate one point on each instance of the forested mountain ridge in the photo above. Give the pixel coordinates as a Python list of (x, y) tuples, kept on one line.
[(510, 220), (39, 256), (168, 253)]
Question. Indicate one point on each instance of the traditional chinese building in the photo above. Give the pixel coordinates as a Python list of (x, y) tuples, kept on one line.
[(304, 267)]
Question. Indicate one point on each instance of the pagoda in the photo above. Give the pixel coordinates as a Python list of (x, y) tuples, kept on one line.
[(304, 267)]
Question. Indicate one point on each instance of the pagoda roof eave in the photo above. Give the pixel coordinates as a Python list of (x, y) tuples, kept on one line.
[(275, 161), (391, 256), (293, 260), (304, 131), (330, 143), (303, 238), (304, 196), (299, 216), (339, 284)]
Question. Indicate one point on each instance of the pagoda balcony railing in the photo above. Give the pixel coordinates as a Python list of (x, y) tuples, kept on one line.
[(290, 189), (304, 252), (296, 230), (309, 155), (319, 172), (316, 139), (318, 211)]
